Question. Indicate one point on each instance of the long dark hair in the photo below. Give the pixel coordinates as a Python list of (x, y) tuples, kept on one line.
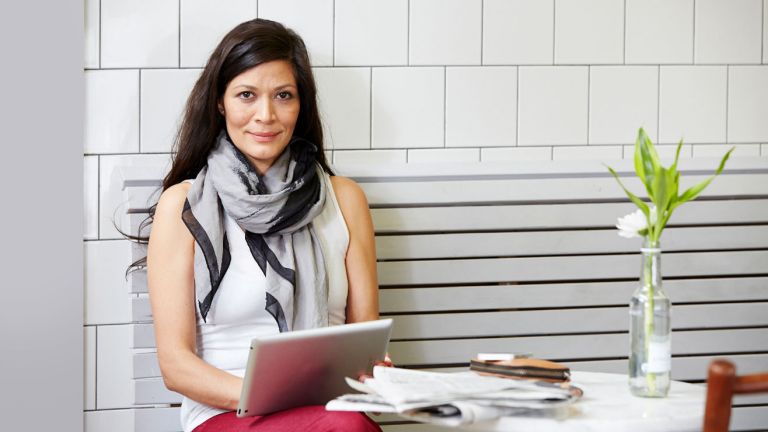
[(248, 45)]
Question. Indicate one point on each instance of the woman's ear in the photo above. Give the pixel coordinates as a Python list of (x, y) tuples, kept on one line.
[(221, 108)]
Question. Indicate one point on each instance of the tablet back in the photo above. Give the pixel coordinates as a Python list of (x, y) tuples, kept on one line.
[(308, 367)]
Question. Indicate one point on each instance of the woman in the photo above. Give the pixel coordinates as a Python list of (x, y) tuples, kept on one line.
[(252, 234)]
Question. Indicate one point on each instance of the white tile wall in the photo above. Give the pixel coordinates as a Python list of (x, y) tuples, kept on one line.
[(443, 155), (91, 197), (659, 31), (552, 107), (111, 111), (589, 31), (692, 104), (666, 152), (408, 109), (481, 108), (91, 34), (351, 157), (719, 150), (371, 32), (728, 31), (518, 31), (445, 32), (603, 153), (622, 99), (109, 421), (344, 99), (111, 197), (205, 22), (107, 299), (503, 154), (164, 93), (114, 373), (748, 104), (311, 19), (764, 150), (139, 33), (89, 367)]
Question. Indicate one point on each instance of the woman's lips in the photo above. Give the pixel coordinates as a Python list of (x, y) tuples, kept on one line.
[(264, 136)]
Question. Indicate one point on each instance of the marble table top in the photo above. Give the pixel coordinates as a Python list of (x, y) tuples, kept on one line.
[(607, 405)]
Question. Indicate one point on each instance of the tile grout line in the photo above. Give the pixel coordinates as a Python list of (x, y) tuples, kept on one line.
[(554, 29), (658, 103), (96, 368), (624, 42), (517, 106), (727, 96), (139, 131), (589, 99), (445, 106), (100, 41), (482, 29), (98, 196), (178, 51), (370, 108), (762, 34), (408, 35), (693, 39), (333, 36)]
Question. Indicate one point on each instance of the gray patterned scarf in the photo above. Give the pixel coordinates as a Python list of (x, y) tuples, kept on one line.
[(275, 211)]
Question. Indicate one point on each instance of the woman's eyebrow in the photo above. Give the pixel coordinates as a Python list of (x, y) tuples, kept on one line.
[(250, 87)]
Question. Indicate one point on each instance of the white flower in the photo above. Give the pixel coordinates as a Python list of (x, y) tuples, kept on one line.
[(635, 224)]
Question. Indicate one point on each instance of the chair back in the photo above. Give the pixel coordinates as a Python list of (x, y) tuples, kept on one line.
[(722, 384)]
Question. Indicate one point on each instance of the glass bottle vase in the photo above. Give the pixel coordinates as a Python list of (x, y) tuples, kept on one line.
[(649, 329)]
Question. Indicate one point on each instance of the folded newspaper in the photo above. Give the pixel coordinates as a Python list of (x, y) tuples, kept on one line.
[(454, 399)]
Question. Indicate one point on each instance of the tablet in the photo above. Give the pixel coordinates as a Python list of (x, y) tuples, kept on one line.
[(307, 367)]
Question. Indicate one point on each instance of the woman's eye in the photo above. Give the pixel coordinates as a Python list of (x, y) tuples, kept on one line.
[(245, 95), (284, 95)]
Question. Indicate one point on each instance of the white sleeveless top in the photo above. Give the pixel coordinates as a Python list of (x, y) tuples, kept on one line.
[(238, 312)]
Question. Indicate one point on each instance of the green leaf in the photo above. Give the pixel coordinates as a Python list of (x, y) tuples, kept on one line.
[(694, 191), (649, 160), (638, 202)]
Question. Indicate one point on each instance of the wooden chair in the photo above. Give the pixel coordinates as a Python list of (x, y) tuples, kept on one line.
[(722, 384)]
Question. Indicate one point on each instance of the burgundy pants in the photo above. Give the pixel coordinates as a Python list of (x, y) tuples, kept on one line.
[(309, 418)]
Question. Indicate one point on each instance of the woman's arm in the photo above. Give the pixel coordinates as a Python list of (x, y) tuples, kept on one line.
[(170, 277), (363, 295)]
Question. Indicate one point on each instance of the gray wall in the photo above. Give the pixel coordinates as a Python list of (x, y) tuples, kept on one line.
[(41, 294)]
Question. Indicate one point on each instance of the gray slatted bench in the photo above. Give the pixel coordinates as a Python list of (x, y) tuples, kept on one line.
[(524, 257)]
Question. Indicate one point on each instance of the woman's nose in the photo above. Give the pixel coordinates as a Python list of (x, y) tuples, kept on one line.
[(263, 111)]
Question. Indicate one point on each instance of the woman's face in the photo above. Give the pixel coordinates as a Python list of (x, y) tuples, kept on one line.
[(261, 106)]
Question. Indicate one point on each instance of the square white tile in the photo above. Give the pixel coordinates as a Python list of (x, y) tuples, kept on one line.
[(91, 197), (717, 151), (139, 33), (692, 105), (355, 157), (112, 198), (311, 19), (408, 107), (622, 99), (445, 32), (109, 421), (164, 93), (92, 34), (111, 111), (89, 368), (481, 106), (204, 23), (748, 104), (552, 107), (589, 31), (371, 32), (599, 153), (666, 152), (504, 154), (344, 98), (728, 31), (114, 380), (107, 300), (659, 31), (455, 155), (518, 31)]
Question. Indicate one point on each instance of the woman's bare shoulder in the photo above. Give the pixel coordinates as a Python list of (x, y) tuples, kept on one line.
[(172, 199), (349, 194)]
